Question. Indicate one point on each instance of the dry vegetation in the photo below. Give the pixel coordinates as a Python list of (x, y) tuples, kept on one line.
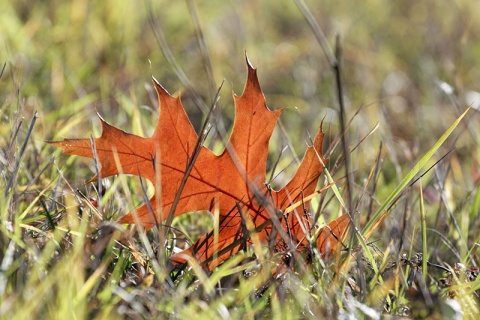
[(410, 69)]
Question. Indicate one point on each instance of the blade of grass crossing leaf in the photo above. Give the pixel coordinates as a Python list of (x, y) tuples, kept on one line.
[(383, 210), (191, 163)]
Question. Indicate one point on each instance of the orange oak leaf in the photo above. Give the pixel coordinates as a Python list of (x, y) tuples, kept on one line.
[(233, 183)]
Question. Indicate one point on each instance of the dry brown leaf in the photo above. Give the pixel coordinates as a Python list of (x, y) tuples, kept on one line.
[(233, 183)]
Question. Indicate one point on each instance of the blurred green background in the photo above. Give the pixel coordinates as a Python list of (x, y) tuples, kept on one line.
[(395, 54), (411, 65)]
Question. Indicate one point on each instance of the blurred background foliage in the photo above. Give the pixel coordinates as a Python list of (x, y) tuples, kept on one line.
[(410, 65), (395, 55)]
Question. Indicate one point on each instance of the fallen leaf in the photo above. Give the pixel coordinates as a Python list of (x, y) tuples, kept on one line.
[(232, 183)]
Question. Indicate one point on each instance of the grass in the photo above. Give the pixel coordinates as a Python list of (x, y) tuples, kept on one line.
[(407, 77)]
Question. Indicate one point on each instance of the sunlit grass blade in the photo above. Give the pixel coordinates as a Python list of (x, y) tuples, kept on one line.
[(384, 209)]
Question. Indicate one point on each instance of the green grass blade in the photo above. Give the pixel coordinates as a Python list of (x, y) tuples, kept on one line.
[(420, 164)]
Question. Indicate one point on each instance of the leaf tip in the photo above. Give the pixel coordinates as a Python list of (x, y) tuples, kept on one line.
[(252, 78), (102, 120), (54, 143), (249, 64), (161, 91), (104, 124), (93, 179)]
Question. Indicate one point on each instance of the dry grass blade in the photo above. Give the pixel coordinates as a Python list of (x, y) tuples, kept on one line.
[(383, 211), (201, 139), (13, 177)]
